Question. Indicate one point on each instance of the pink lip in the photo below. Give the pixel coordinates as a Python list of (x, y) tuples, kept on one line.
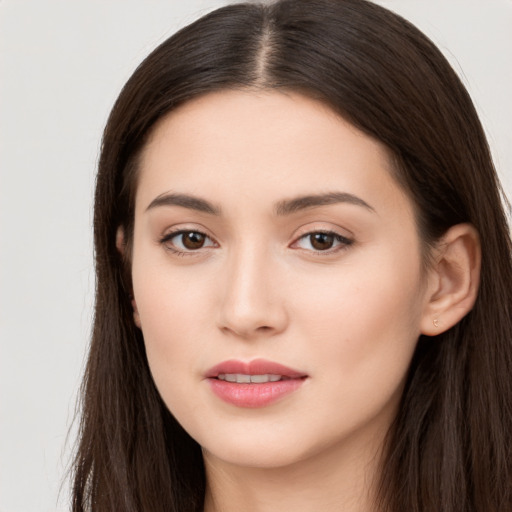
[(254, 367), (255, 394)]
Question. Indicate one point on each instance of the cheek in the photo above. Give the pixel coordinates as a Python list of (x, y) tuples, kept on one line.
[(170, 313), (172, 329), (172, 309), (365, 325)]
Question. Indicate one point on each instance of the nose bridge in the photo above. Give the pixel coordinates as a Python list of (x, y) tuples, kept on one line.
[(252, 303)]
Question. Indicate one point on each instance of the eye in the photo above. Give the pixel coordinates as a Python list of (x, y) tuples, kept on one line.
[(186, 241), (323, 241)]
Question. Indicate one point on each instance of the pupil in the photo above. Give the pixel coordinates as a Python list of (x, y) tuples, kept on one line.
[(322, 241), (193, 240)]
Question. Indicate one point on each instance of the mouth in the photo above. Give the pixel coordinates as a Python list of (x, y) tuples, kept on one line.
[(261, 370), (257, 383)]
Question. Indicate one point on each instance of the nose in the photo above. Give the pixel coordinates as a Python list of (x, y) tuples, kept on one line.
[(253, 298)]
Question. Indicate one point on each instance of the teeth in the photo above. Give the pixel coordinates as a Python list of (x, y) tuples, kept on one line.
[(241, 378), (260, 378)]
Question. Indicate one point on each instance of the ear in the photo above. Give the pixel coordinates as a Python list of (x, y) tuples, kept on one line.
[(120, 240), (121, 247), (453, 279), (136, 316)]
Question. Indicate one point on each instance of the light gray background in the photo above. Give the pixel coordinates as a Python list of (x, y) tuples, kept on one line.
[(62, 65)]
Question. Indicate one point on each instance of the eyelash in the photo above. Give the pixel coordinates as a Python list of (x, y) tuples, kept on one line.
[(169, 236), (343, 242)]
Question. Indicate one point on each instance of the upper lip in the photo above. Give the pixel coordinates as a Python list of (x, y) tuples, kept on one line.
[(254, 367)]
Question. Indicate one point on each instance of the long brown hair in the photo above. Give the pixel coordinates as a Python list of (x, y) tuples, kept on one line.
[(449, 449)]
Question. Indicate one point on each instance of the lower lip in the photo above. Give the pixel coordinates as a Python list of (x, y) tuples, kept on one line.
[(254, 395)]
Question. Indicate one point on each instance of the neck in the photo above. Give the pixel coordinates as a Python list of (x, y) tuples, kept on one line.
[(342, 479)]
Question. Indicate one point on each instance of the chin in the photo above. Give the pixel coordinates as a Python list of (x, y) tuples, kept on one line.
[(256, 455), (272, 446)]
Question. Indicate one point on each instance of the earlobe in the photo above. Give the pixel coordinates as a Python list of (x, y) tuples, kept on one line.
[(454, 279)]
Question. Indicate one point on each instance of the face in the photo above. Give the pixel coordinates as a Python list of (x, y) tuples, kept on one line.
[(273, 245)]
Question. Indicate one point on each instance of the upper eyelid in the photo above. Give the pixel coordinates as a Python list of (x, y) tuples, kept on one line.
[(170, 232), (314, 227), (168, 236), (324, 231)]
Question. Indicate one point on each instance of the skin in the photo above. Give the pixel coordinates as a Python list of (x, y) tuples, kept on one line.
[(349, 316)]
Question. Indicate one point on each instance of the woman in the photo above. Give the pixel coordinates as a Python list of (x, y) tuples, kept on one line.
[(303, 276)]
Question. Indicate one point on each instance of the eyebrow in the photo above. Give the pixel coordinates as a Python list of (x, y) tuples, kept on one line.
[(282, 208), (290, 206), (185, 201)]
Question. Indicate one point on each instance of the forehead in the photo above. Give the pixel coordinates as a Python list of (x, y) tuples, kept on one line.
[(271, 145)]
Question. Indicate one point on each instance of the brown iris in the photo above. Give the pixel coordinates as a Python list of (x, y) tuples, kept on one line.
[(321, 241), (193, 240)]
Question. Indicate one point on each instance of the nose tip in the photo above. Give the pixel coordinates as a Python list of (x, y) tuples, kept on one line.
[(252, 316)]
